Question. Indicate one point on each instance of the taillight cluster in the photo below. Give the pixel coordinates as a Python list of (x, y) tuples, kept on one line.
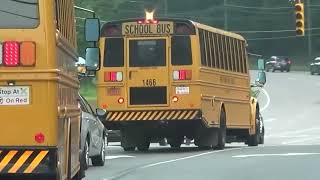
[(182, 75), (113, 76), (13, 53)]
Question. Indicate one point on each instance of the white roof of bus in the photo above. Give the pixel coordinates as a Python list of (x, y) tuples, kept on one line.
[(220, 31)]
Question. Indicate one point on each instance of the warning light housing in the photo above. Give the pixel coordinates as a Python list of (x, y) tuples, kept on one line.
[(299, 7)]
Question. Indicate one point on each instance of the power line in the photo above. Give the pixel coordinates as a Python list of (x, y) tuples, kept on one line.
[(275, 38), (261, 8), (275, 31), (259, 12), (266, 8)]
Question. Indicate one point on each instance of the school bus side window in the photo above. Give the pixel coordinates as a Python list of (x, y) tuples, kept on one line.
[(202, 47), (181, 50), (217, 50), (114, 53)]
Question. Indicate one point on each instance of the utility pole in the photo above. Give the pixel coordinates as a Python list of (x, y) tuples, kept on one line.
[(166, 8), (309, 28), (225, 15)]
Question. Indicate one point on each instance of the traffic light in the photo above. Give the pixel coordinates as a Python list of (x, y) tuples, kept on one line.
[(299, 19)]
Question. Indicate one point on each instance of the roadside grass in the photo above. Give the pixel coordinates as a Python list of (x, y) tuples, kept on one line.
[(88, 90), (90, 94)]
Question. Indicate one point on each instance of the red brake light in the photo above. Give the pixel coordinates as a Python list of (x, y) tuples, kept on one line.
[(182, 75), (113, 76), (11, 53)]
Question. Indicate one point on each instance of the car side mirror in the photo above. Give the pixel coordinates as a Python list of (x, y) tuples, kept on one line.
[(101, 113), (92, 29), (262, 79), (92, 59), (261, 64)]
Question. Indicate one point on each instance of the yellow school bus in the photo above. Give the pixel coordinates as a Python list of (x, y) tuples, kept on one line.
[(40, 117), (175, 78)]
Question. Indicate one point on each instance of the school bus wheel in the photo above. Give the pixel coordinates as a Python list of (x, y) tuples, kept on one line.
[(128, 149), (176, 142), (144, 145), (222, 131), (253, 140)]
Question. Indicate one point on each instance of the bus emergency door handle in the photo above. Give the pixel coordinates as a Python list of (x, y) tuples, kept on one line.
[(130, 74)]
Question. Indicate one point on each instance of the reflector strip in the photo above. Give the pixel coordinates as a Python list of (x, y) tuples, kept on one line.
[(176, 115), (7, 159), (159, 115), (36, 161), (147, 116), (20, 162), (165, 115), (136, 116), (152, 115)]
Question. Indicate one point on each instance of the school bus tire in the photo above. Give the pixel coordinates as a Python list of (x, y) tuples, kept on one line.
[(253, 140), (100, 159), (176, 142), (129, 149), (144, 145), (222, 131)]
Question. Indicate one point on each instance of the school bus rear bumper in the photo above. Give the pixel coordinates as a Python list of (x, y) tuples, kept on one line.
[(27, 161), (153, 115)]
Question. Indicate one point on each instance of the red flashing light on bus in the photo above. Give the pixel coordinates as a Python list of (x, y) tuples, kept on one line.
[(13, 54), (113, 76), (182, 75)]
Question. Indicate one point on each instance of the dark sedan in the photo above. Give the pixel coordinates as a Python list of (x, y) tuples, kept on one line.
[(93, 137), (278, 63), (315, 66)]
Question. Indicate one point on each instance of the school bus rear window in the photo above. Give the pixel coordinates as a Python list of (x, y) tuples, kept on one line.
[(113, 53), (19, 14), (181, 50), (147, 53)]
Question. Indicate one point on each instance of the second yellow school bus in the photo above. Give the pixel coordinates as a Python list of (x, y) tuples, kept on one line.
[(175, 78)]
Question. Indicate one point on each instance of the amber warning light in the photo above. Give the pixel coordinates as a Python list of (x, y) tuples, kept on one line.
[(149, 19)]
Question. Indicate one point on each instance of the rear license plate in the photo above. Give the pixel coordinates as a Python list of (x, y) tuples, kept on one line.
[(14, 95)]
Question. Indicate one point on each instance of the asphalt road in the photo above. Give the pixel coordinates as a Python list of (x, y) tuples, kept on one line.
[(291, 108)]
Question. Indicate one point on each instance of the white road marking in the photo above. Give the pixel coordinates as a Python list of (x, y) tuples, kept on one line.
[(293, 79), (264, 155), (297, 132), (304, 140), (268, 100), (120, 156), (188, 157), (270, 120), (294, 136)]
